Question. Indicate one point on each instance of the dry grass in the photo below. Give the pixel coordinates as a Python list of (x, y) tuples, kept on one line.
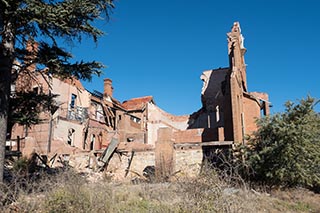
[(70, 192)]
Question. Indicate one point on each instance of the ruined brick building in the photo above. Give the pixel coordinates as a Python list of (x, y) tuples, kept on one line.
[(87, 121), (229, 110)]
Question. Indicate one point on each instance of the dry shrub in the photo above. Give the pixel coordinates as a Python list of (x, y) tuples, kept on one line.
[(25, 189), (72, 198), (104, 197), (209, 192), (298, 200)]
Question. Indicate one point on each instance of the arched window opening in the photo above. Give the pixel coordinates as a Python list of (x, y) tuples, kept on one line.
[(93, 138), (71, 134)]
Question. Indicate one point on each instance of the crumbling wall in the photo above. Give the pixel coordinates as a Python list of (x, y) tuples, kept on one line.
[(33, 138), (212, 89), (131, 130), (251, 114), (256, 105), (190, 135), (163, 162), (188, 162), (158, 118), (199, 135), (130, 165), (264, 101), (69, 132), (96, 133), (211, 115)]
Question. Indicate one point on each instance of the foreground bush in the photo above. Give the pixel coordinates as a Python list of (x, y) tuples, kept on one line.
[(285, 150)]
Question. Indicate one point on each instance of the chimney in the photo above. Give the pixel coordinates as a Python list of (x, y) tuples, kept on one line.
[(32, 48), (107, 89)]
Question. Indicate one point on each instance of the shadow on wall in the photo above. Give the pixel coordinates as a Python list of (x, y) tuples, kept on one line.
[(211, 116), (216, 157), (210, 134)]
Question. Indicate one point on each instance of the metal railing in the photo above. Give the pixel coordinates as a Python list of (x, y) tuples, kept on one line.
[(77, 113)]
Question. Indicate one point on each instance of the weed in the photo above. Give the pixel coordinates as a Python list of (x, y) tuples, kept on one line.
[(67, 191)]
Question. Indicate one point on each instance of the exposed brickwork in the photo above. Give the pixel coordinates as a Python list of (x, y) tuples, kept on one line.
[(107, 87), (199, 135), (190, 135)]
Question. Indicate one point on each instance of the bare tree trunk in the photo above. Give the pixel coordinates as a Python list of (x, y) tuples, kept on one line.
[(6, 62), (5, 75)]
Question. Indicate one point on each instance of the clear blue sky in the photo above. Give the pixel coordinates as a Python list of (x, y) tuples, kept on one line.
[(160, 48)]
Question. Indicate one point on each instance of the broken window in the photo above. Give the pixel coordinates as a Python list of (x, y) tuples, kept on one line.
[(98, 111), (93, 138), (36, 90), (242, 126), (217, 114), (73, 100), (114, 123), (263, 111), (71, 137), (135, 119)]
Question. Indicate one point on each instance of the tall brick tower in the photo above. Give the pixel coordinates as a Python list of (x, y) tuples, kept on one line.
[(236, 52), (236, 85), (242, 108)]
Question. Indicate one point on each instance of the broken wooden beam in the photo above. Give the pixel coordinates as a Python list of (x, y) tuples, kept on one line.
[(200, 144)]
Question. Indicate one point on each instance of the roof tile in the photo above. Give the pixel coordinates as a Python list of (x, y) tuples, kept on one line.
[(137, 103)]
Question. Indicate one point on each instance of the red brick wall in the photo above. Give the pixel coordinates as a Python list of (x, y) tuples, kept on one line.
[(199, 135), (251, 113)]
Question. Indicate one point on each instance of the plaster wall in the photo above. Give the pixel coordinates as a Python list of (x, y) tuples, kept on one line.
[(61, 129), (65, 90), (158, 118)]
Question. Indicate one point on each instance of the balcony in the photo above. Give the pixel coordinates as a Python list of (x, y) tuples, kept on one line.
[(78, 113)]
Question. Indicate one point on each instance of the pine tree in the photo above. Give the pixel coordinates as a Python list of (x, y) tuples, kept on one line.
[(47, 22)]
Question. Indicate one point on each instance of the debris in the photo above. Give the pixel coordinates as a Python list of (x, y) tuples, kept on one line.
[(105, 157)]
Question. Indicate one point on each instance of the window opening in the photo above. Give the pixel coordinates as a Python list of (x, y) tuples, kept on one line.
[(73, 100), (70, 137), (93, 138)]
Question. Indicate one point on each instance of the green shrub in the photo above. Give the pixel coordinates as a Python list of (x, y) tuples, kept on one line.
[(20, 165), (285, 149), (68, 200)]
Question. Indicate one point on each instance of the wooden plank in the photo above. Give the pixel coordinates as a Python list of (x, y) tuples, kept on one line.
[(110, 149), (164, 154), (12, 153), (210, 143)]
